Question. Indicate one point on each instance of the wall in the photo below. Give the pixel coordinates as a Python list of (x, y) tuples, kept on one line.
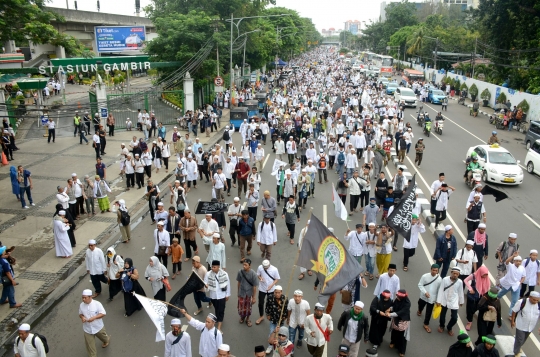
[(514, 96)]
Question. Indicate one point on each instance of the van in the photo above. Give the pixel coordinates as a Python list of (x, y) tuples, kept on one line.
[(533, 134), (532, 160)]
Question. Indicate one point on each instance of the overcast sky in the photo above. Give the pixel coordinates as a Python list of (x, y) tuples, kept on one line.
[(324, 13)]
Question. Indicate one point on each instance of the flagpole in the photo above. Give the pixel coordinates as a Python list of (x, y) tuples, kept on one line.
[(292, 273), (166, 303)]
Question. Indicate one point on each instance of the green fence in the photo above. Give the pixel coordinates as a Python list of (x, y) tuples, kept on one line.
[(167, 106), (14, 111), (204, 95)]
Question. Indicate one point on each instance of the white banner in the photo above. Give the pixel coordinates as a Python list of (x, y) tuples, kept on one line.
[(277, 164), (339, 207), (156, 310)]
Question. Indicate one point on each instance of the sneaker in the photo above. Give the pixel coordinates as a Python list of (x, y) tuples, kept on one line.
[(26, 207), (269, 349), (299, 343), (32, 204)]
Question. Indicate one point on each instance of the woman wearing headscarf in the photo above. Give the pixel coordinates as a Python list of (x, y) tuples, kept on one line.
[(488, 306), (61, 238), (462, 348), (68, 218), (124, 230), (401, 321), (486, 348), (155, 272), (15, 187), (379, 310), (129, 277), (115, 264), (478, 285)]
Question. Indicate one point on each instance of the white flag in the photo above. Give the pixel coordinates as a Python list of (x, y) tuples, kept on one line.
[(275, 167), (156, 310), (339, 207), (224, 167)]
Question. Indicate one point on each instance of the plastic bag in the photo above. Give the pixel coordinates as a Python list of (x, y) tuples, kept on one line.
[(436, 311)]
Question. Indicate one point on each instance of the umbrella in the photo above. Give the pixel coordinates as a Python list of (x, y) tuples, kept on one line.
[(500, 106)]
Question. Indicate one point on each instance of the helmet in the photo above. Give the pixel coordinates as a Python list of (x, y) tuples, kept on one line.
[(473, 154), (493, 132), (475, 158)]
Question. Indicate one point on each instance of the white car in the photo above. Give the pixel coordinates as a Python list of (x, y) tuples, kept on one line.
[(405, 96), (532, 160), (498, 165)]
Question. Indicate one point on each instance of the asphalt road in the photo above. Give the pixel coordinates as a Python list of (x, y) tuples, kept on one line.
[(136, 334)]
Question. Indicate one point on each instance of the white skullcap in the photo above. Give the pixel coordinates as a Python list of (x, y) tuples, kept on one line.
[(24, 327), (477, 194), (176, 322), (319, 306), (224, 347), (360, 304), (482, 225), (73, 174), (470, 242), (518, 258), (512, 235), (92, 241), (535, 294), (62, 213), (372, 224), (160, 223), (298, 292), (236, 199), (216, 235), (456, 269), (87, 292), (447, 228), (278, 287), (533, 251)]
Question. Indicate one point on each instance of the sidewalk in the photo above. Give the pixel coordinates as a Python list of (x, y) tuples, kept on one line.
[(38, 271)]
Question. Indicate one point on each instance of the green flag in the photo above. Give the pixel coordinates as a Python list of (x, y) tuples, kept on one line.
[(281, 182), (323, 253)]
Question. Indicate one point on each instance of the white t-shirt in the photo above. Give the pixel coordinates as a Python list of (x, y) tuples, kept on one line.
[(298, 312), (468, 255)]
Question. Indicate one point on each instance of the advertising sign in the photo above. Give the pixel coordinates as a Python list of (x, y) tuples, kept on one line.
[(119, 38), (104, 112)]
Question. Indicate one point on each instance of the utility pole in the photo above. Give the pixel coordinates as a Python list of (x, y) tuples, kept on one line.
[(231, 73), (435, 54), (474, 59)]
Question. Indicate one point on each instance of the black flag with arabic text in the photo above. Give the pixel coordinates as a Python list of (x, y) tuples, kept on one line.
[(194, 283), (323, 253), (401, 217)]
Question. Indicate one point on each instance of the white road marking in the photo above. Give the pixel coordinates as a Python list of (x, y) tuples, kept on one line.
[(436, 137), (265, 160), (463, 237), (532, 221), (447, 118)]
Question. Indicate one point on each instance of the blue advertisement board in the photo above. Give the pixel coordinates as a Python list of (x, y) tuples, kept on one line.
[(119, 38)]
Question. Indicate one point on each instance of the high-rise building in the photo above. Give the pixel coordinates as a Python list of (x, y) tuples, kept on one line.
[(353, 27)]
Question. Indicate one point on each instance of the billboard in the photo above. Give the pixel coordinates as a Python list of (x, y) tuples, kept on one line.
[(119, 38)]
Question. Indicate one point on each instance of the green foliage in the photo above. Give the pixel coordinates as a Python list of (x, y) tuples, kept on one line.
[(486, 94), (501, 98), (175, 98), (473, 90), (524, 105), (464, 87)]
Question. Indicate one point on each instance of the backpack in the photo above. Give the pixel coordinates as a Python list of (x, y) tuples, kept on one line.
[(528, 260), (523, 302), (502, 250), (43, 341), (322, 162), (226, 135), (124, 218), (341, 158), (271, 226)]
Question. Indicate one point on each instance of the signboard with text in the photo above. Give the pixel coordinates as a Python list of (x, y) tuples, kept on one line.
[(119, 38)]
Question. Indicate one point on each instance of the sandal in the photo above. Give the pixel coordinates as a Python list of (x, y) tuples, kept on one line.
[(301, 276), (248, 322), (309, 272), (292, 241), (394, 248), (259, 320), (241, 321), (428, 330), (450, 332), (418, 313), (440, 330), (370, 277), (468, 326), (405, 268)]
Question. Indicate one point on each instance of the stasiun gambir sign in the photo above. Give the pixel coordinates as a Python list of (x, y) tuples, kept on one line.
[(124, 66)]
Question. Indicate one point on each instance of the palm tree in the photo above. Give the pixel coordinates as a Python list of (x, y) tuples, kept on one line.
[(416, 42)]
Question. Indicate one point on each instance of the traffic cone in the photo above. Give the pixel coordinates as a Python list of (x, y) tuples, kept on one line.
[(4, 159)]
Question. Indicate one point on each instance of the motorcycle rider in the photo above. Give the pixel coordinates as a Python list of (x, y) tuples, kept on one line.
[(473, 165), (493, 139), (427, 123), (475, 107)]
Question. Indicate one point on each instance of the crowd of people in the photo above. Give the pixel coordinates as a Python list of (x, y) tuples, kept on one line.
[(320, 118)]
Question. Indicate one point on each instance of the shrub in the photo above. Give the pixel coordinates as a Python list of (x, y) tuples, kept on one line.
[(502, 98), (464, 87), (473, 90), (524, 106), (486, 94)]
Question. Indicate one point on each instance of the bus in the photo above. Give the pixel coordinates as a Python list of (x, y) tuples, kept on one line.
[(367, 56), (411, 75), (385, 63)]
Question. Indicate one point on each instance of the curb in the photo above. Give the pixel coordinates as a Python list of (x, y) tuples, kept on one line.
[(79, 273)]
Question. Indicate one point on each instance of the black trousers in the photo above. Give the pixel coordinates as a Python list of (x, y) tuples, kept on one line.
[(331, 161), (190, 244), (52, 133), (262, 295), (79, 206), (429, 310), (219, 308), (364, 198), (472, 225), (252, 211), (354, 202), (139, 177), (397, 338), (453, 318), (166, 162), (524, 289), (290, 228), (163, 258), (97, 280), (233, 232), (73, 209), (148, 170), (98, 149), (151, 207), (111, 130), (103, 144), (407, 253), (130, 180), (439, 216), (472, 306)]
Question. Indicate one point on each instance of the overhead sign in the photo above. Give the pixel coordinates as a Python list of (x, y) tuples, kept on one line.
[(104, 112), (218, 81), (119, 38)]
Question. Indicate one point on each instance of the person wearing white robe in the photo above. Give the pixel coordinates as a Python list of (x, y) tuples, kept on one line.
[(180, 348), (61, 238), (191, 172), (95, 266), (211, 338), (388, 281), (450, 296)]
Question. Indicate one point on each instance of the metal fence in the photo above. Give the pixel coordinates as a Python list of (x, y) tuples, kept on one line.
[(167, 106)]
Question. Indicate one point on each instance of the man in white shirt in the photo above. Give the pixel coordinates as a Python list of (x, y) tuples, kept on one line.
[(351, 163), (450, 296), (27, 344), (265, 130), (219, 290), (532, 272), (266, 237), (177, 342), (409, 247), (211, 338), (97, 143), (429, 287), (91, 313), (259, 157), (220, 184), (268, 279), (96, 266), (315, 324), (298, 309), (279, 148), (357, 242), (291, 149), (206, 230), (524, 318), (388, 281), (434, 188), (515, 276), (466, 260)]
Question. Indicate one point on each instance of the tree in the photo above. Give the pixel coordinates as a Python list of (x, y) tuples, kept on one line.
[(28, 20)]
